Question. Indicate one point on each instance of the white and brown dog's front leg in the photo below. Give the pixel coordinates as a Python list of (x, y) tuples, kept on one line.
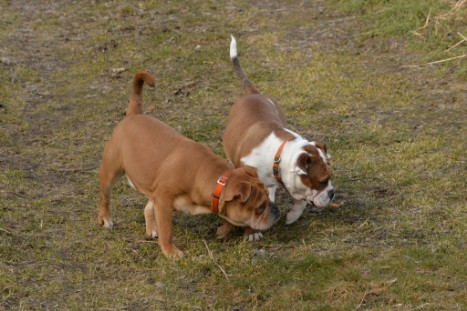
[(272, 193), (296, 211)]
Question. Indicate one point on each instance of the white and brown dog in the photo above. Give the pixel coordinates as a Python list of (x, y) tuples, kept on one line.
[(256, 135), (176, 173)]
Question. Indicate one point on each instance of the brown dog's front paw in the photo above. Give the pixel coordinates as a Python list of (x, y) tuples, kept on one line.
[(171, 252), (224, 229), (252, 235), (151, 234)]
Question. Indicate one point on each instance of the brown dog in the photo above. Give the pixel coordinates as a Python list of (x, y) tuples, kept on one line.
[(256, 135), (176, 173)]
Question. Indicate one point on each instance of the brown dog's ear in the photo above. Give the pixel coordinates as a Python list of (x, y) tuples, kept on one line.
[(242, 191)]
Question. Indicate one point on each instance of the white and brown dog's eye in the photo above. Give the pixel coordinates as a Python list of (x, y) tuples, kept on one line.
[(324, 184)]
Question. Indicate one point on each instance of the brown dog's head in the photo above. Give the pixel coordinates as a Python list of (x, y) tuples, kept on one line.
[(245, 201), (311, 178)]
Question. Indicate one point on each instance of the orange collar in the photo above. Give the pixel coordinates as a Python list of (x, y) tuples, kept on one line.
[(277, 161), (217, 192)]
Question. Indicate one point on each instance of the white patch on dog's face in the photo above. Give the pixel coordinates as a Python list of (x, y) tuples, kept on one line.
[(320, 198), (324, 197), (297, 188)]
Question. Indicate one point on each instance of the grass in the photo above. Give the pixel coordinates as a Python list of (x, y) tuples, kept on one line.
[(436, 27), (342, 71)]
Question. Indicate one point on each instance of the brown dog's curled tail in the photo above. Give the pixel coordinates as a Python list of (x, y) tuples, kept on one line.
[(246, 83), (135, 106)]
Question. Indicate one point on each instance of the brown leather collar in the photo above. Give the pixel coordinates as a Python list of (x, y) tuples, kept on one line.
[(277, 161), (217, 191)]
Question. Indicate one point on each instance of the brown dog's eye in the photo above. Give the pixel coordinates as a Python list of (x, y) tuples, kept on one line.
[(260, 209)]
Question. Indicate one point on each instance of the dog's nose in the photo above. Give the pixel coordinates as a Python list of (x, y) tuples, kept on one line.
[(331, 194)]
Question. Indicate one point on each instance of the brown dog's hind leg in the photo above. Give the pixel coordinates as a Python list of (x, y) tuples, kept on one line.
[(108, 175), (150, 219)]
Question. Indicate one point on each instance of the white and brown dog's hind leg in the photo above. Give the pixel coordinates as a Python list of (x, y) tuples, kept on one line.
[(296, 211)]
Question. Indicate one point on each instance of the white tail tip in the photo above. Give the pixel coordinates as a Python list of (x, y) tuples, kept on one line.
[(233, 47)]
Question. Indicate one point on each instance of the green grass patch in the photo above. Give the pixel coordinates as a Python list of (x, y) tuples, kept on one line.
[(435, 27)]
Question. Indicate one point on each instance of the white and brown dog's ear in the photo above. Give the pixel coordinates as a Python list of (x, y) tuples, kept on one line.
[(322, 146), (303, 163)]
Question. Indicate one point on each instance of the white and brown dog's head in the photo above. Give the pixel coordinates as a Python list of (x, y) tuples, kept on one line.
[(245, 201), (310, 178)]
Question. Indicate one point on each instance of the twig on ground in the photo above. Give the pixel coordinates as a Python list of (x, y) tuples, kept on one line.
[(6, 231), (14, 193), (435, 62), (410, 258), (74, 170), (446, 60), (213, 260), (437, 19), (415, 32), (460, 42), (361, 301), (456, 7)]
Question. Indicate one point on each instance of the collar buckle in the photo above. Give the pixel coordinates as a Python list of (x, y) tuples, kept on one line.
[(221, 182)]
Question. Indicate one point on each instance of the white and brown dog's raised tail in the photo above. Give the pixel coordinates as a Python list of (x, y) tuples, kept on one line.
[(246, 83), (135, 106)]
